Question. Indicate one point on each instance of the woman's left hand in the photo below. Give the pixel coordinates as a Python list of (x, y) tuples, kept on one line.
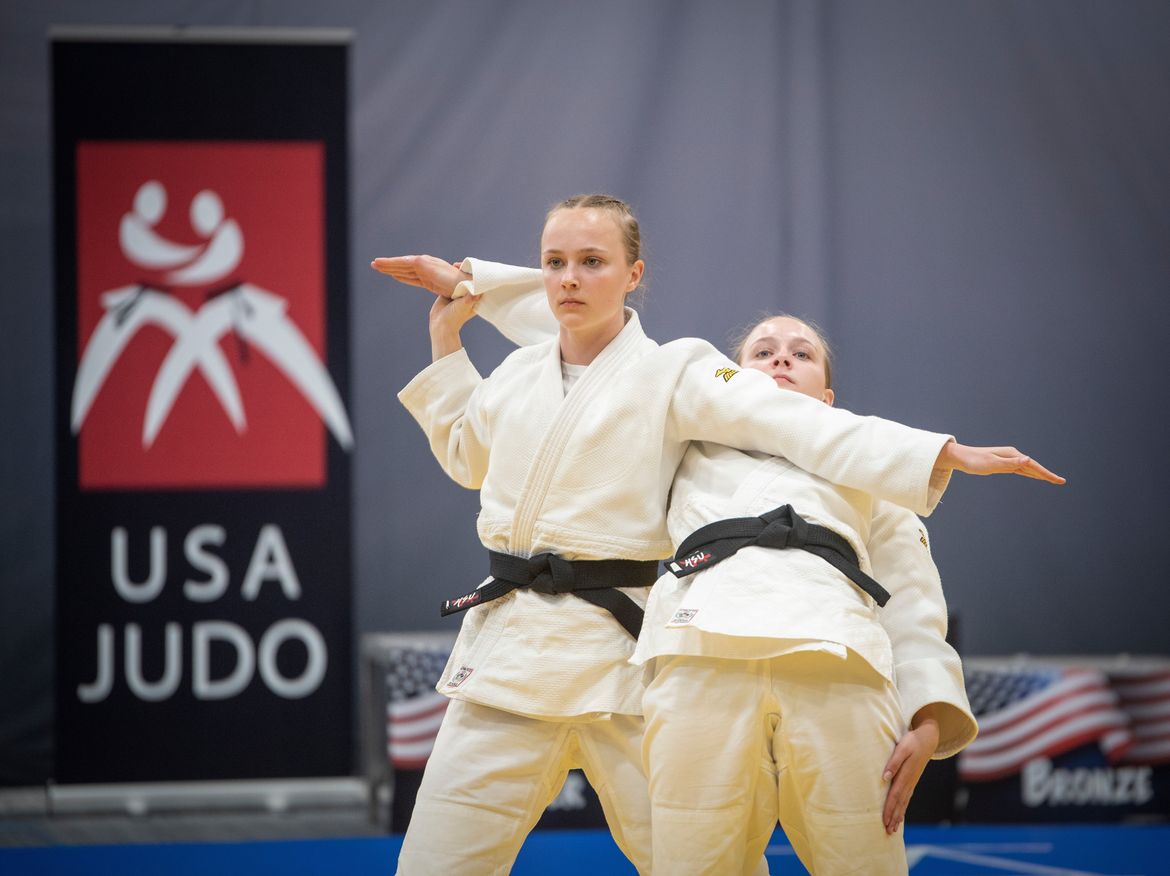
[(992, 460), (905, 766)]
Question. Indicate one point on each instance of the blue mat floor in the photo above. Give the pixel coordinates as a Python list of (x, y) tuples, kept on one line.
[(933, 851)]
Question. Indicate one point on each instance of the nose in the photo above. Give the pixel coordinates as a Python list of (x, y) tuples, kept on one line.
[(568, 279), (780, 359)]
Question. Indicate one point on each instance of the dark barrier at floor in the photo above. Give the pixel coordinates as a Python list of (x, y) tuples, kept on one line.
[(1061, 739)]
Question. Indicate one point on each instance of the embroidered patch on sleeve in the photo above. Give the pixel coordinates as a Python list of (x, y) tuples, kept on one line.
[(727, 373), (922, 538), (684, 615)]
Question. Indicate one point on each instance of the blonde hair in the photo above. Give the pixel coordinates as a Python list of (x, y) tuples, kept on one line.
[(621, 212), (739, 341)]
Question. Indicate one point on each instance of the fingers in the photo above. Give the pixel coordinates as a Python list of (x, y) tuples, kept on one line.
[(1032, 469), (388, 264), (1019, 463), (425, 271), (897, 799), (404, 269), (901, 752), (454, 311)]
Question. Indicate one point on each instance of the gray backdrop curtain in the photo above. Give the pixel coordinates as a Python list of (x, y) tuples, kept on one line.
[(973, 198)]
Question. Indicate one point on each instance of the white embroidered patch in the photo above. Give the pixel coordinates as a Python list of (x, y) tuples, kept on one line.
[(684, 615), (459, 677)]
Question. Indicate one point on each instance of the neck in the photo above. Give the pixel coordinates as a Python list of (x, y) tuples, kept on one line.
[(582, 347)]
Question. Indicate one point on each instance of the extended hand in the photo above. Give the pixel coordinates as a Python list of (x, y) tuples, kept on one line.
[(993, 460), (425, 271)]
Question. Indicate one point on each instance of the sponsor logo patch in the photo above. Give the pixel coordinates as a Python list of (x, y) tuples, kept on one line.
[(459, 677), (684, 615), (463, 602), (727, 373)]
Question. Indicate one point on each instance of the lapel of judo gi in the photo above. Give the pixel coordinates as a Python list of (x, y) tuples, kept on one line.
[(548, 394)]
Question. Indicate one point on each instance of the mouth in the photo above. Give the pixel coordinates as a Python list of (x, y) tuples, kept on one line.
[(783, 377), (570, 302)]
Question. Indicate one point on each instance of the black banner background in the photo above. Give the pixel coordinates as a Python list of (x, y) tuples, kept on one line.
[(200, 90)]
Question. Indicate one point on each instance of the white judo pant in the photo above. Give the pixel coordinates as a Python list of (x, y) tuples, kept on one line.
[(732, 746), (492, 773)]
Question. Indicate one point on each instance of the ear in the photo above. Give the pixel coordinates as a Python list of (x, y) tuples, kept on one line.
[(828, 397), (636, 271)]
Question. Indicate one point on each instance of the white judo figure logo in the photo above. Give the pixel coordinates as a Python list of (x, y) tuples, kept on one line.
[(256, 315)]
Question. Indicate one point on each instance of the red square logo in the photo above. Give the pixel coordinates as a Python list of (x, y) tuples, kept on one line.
[(201, 317)]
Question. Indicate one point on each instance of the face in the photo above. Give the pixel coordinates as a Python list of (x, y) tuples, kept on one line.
[(586, 275), (791, 354)]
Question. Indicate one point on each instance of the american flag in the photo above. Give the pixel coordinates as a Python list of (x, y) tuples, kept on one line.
[(1145, 699), (414, 710), (1040, 712)]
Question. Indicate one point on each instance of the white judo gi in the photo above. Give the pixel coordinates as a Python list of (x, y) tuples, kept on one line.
[(760, 606), (543, 683), (779, 689)]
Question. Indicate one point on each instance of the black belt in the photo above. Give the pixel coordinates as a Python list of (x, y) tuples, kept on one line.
[(591, 580), (780, 528)]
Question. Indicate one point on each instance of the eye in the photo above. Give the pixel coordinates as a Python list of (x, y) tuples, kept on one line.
[(762, 353), (554, 262), (592, 261), (801, 354)]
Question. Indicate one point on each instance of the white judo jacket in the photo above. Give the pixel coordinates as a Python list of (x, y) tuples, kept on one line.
[(762, 602), (587, 475)]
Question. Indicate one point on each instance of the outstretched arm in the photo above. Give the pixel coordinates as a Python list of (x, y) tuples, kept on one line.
[(512, 298), (513, 301)]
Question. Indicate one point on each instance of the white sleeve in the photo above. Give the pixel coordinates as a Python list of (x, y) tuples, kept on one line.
[(715, 400), (513, 300), (445, 399), (927, 670)]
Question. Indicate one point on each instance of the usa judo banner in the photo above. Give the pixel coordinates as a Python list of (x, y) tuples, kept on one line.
[(1068, 741), (203, 425)]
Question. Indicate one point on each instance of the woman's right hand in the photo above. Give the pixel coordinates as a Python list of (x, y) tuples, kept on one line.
[(425, 271), (447, 318)]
